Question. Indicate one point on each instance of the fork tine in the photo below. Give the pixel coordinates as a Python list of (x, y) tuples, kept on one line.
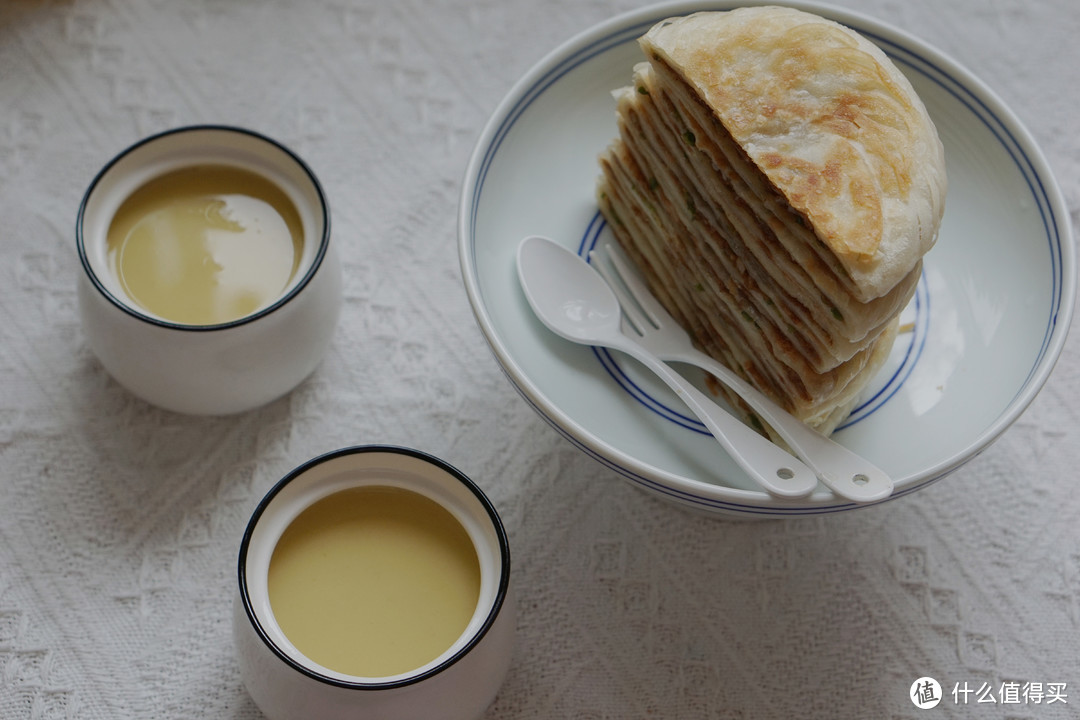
[(650, 305), (630, 309)]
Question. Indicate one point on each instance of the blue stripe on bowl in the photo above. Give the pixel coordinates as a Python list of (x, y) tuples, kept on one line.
[(863, 410), (578, 51)]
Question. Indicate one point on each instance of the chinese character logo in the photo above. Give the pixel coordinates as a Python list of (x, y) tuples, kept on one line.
[(925, 693)]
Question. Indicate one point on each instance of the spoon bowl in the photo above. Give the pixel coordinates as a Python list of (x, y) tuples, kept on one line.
[(570, 302)]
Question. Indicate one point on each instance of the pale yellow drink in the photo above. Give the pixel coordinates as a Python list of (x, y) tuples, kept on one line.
[(374, 581), (206, 244)]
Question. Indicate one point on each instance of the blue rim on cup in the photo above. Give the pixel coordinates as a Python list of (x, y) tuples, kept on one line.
[(460, 683), (221, 368), (118, 299)]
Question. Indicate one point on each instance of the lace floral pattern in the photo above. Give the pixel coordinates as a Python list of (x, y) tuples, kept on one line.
[(120, 523)]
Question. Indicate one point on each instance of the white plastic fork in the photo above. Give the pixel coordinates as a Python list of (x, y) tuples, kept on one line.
[(846, 473)]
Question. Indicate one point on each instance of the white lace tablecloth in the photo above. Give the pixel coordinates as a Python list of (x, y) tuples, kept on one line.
[(120, 523)]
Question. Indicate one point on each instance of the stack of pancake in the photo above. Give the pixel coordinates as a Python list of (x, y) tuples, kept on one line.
[(777, 181)]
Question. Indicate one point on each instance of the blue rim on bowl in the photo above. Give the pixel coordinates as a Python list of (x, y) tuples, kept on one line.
[(492, 220)]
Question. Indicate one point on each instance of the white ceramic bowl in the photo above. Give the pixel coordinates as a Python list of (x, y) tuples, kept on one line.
[(457, 685), (208, 369), (988, 321)]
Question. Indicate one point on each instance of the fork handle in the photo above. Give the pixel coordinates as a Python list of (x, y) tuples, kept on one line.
[(846, 473), (781, 474)]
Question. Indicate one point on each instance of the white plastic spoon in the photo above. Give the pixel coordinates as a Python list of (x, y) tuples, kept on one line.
[(574, 302)]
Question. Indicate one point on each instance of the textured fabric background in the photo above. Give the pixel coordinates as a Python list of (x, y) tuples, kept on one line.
[(119, 523)]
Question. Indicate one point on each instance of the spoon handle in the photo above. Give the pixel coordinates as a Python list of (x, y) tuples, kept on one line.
[(774, 469), (846, 473)]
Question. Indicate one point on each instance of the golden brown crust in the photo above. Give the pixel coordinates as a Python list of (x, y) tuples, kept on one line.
[(829, 120)]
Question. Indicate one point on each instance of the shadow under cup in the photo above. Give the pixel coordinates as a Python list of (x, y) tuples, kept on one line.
[(459, 684)]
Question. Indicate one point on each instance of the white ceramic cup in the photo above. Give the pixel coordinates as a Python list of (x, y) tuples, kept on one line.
[(208, 369), (458, 685)]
